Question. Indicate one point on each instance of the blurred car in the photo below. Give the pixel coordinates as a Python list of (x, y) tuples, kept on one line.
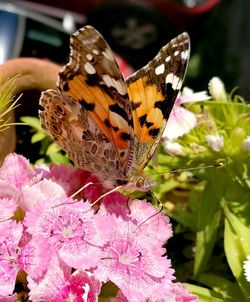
[(134, 29)]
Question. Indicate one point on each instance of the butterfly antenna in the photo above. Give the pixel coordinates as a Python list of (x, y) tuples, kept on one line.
[(64, 202), (219, 165), (105, 194), (153, 215)]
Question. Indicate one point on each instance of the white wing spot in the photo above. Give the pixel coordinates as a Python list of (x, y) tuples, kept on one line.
[(184, 54), (176, 53), (174, 80), (89, 68), (89, 57), (108, 54), (95, 51), (117, 84), (160, 69), (168, 58)]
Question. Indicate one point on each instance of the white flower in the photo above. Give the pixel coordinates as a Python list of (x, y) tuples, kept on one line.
[(217, 89), (215, 142), (246, 144), (181, 120), (246, 267), (189, 96), (174, 148)]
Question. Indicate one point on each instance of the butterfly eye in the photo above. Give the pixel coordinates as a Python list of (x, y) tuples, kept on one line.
[(140, 182)]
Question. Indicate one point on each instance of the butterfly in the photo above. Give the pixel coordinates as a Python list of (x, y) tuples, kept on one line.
[(107, 125)]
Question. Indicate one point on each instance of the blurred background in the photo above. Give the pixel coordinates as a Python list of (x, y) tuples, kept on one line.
[(135, 30), (219, 30)]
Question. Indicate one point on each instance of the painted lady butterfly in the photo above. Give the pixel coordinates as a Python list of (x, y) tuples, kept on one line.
[(106, 125)]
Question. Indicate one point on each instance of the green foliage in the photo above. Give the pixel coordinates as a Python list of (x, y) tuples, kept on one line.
[(49, 151), (215, 197), (205, 191), (7, 103)]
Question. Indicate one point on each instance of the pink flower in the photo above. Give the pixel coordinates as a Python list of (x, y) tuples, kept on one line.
[(72, 179), (52, 282), (8, 190), (43, 190), (10, 235), (181, 120), (182, 294), (80, 287), (7, 208), (69, 229), (150, 221), (115, 203), (16, 170), (12, 298), (176, 293), (126, 69), (121, 242), (34, 257), (58, 285), (131, 259)]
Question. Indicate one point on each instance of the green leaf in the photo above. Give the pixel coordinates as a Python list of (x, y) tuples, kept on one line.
[(37, 137), (237, 248), (208, 295), (52, 148), (188, 218), (208, 221), (33, 122), (58, 158), (55, 155), (222, 286)]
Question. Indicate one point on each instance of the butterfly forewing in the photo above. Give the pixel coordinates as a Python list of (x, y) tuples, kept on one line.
[(93, 79), (152, 91), (92, 87)]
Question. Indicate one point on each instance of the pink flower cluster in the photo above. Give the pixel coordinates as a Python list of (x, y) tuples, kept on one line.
[(69, 250)]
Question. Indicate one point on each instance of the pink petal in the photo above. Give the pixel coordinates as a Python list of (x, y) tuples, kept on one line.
[(10, 235), (182, 294), (81, 287), (80, 255), (43, 190), (7, 208), (180, 122), (53, 281), (12, 298), (16, 170), (8, 190), (152, 222), (115, 203), (131, 259), (35, 257), (7, 279)]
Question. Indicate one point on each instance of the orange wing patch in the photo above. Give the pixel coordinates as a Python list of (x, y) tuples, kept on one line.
[(98, 104), (148, 120)]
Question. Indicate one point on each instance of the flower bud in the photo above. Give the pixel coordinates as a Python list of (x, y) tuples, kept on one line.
[(215, 142), (246, 144), (217, 89)]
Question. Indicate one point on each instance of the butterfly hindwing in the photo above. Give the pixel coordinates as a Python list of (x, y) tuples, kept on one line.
[(152, 91), (75, 132)]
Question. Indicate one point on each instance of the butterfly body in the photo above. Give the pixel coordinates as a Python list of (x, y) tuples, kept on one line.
[(109, 126)]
